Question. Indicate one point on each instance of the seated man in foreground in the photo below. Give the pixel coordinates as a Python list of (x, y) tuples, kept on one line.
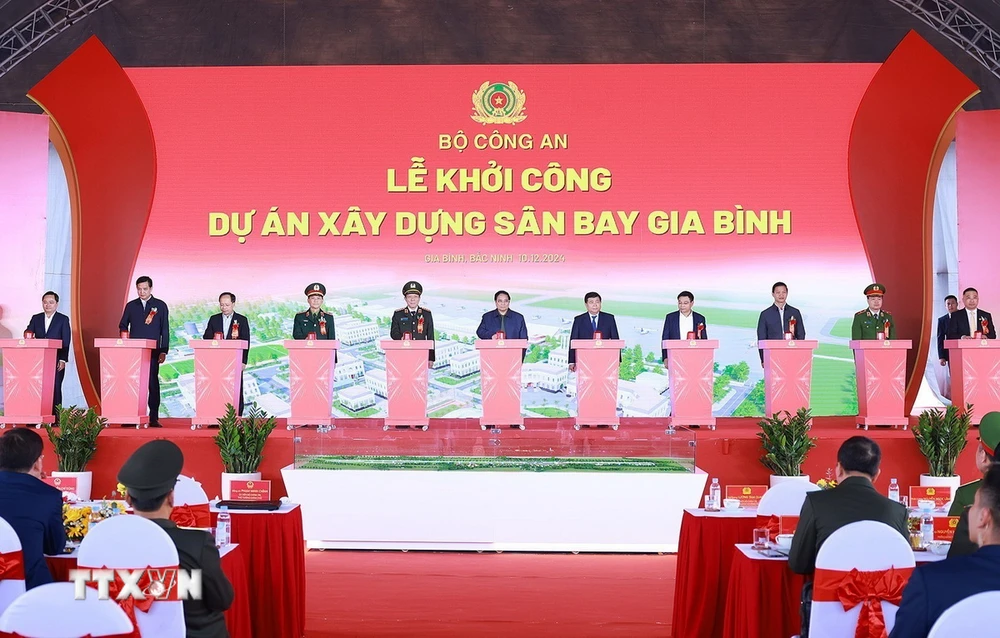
[(934, 587), (149, 476), (854, 499)]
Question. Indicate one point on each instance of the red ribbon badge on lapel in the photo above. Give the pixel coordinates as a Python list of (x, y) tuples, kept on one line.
[(322, 324), (868, 589), (12, 565), (235, 332), (192, 516), (149, 317), (985, 326)]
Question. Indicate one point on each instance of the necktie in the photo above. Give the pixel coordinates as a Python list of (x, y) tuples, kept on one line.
[(502, 317), (593, 322)]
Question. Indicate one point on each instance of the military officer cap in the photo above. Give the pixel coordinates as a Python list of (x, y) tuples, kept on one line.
[(875, 289), (413, 286), (989, 432), (316, 289), (152, 470)]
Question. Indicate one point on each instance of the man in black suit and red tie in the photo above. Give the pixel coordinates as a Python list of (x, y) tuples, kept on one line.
[(147, 317), (591, 322), (51, 324), (231, 325), (684, 321), (967, 322)]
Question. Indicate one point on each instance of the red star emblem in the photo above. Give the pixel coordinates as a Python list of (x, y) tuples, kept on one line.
[(499, 100)]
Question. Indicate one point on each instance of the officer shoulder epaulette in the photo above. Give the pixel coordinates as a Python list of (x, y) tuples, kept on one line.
[(422, 308), (400, 309), (861, 312)]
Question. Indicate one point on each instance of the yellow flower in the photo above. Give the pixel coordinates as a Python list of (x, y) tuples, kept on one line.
[(121, 489)]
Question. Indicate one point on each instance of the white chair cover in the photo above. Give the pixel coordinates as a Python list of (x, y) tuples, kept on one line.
[(188, 493), (132, 542), (51, 611), (9, 588), (866, 546), (964, 619), (785, 498)]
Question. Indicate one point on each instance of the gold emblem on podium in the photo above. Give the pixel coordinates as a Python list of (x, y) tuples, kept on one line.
[(215, 342), (693, 343), (20, 342), (310, 343), (598, 344), (984, 342), (500, 343), (119, 342), (791, 343), (406, 343), (886, 343)]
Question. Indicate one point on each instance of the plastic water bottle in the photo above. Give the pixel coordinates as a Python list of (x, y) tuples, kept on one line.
[(927, 526), (223, 527), (715, 494), (893, 490)]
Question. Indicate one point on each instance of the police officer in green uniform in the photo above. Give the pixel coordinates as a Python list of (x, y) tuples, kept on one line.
[(989, 439), (149, 476), (315, 320), (413, 319), (870, 322)]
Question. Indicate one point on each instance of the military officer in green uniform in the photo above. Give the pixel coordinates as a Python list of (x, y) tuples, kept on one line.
[(989, 439), (868, 323), (315, 320), (149, 476), (413, 319)]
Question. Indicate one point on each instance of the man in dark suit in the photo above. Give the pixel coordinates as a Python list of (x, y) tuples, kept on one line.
[(148, 318), (854, 499), (944, 376), (51, 324), (413, 319), (585, 326), (965, 323), (232, 325), (684, 321), (149, 476), (934, 587), (32, 508), (503, 321), (780, 319)]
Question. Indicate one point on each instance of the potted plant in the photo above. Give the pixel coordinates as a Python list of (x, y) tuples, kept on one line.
[(75, 441), (785, 440), (941, 436), (241, 444)]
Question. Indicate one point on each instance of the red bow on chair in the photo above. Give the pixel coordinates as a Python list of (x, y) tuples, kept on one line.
[(867, 589), (12, 565), (772, 523), (192, 516)]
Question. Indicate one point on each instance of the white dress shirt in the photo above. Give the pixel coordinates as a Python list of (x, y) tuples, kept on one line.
[(686, 324), (48, 322), (973, 321), (226, 321)]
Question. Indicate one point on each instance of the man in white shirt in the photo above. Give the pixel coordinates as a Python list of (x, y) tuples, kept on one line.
[(971, 322), (52, 324)]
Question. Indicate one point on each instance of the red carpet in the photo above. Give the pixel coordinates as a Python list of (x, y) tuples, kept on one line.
[(467, 594)]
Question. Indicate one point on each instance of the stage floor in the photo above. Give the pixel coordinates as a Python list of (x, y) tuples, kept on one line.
[(730, 453)]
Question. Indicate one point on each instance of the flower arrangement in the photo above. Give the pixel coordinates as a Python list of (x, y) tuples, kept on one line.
[(77, 518), (121, 490), (829, 482)]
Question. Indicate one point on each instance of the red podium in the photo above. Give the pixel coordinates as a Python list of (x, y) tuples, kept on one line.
[(406, 381), (311, 367), (29, 376), (218, 371), (597, 363), (691, 364), (787, 374), (975, 374), (881, 367), (125, 379), (500, 375)]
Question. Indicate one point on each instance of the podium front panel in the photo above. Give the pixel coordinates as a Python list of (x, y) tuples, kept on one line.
[(881, 381), (311, 376), (597, 366), (691, 367), (500, 376), (406, 377), (125, 379), (218, 373), (975, 374), (787, 375), (29, 375)]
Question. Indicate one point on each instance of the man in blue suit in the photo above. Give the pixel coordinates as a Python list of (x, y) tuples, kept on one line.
[(31, 507), (943, 376), (778, 319), (682, 322), (503, 319), (51, 324), (590, 322), (232, 325), (934, 587), (965, 323), (148, 318)]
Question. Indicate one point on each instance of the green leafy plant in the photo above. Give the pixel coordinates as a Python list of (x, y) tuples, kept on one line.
[(241, 440), (941, 436), (785, 440), (75, 440)]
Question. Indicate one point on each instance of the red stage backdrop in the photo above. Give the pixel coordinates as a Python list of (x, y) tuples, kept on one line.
[(637, 181)]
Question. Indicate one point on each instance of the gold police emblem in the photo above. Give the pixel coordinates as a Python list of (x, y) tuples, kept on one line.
[(497, 103)]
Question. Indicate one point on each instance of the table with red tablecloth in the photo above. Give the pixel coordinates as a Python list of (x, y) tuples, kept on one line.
[(704, 557), (764, 595), (274, 550), (233, 566)]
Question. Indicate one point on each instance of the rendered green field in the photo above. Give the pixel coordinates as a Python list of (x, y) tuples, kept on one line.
[(494, 464)]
